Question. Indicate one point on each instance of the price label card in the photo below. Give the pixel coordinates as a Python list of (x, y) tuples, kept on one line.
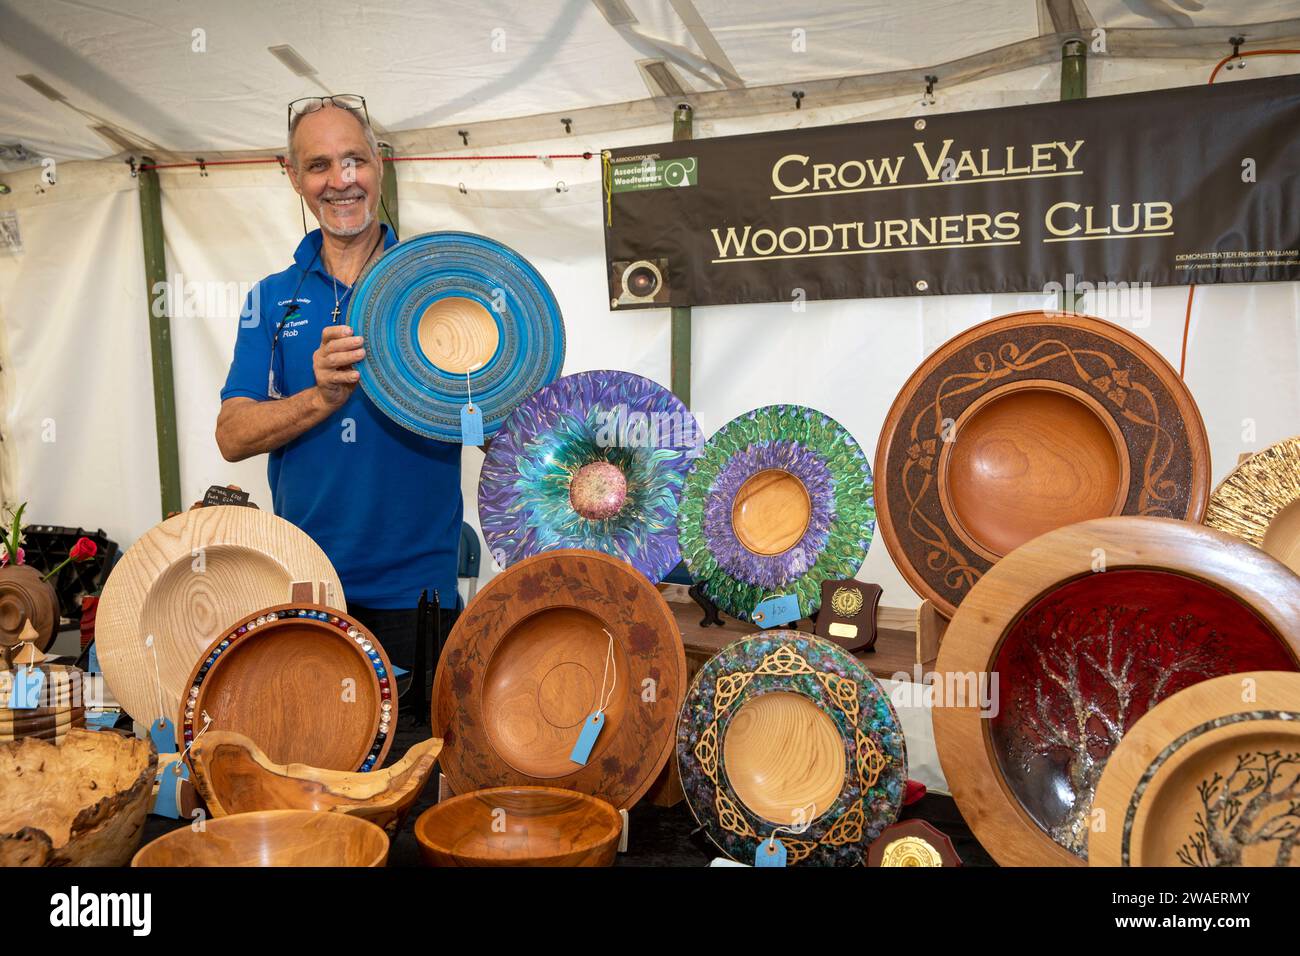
[(591, 728), (26, 695), (770, 853), (165, 804), (776, 610), (471, 425), (163, 734)]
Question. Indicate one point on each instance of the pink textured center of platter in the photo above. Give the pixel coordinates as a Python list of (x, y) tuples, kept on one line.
[(598, 490)]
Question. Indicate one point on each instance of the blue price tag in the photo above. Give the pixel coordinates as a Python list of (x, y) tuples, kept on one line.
[(165, 804), (776, 610), (105, 721), (92, 662), (770, 853), (471, 425), (163, 734), (591, 728), (26, 695)]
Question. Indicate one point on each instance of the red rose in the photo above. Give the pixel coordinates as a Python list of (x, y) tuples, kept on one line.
[(83, 550)]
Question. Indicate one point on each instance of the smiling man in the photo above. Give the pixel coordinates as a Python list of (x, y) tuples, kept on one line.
[(384, 503)]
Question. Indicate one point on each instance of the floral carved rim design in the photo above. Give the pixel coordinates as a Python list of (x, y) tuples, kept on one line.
[(821, 454), (599, 416), (875, 752), (623, 764), (1164, 439)]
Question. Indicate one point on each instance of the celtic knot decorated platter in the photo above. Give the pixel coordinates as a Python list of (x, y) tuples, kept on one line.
[(1026, 423), (594, 460), (782, 727), (450, 316), (779, 500)]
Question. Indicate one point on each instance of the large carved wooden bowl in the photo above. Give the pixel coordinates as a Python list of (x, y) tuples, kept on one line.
[(1026, 423), (26, 596), (184, 581), (80, 802), (235, 776), (1208, 777), (524, 667), (520, 826), (306, 683), (271, 838), (1260, 502), (1064, 644)]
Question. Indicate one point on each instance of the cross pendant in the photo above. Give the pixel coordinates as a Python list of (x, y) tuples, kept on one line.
[(334, 316)]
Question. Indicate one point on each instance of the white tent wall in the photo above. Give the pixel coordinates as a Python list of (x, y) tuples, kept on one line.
[(78, 428), (235, 225)]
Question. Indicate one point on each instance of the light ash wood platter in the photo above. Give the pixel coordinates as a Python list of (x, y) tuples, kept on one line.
[(183, 582)]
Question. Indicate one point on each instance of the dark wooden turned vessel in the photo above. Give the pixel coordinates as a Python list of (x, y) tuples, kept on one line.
[(271, 838), (80, 802), (24, 597), (520, 826), (235, 776)]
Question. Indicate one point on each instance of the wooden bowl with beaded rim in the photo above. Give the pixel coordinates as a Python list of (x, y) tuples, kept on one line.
[(1072, 645), (307, 683), (1022, 424)]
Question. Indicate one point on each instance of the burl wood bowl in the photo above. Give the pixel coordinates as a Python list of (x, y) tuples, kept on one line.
[(235, 776), (520, 826), (271, 838), (80, 802)]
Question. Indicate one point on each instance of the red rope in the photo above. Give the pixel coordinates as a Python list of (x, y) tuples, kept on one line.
[(387, 159), (1191, 290)]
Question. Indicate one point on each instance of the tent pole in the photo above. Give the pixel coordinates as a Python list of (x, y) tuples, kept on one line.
[(388, 188), (680, 372), (1074, 86), (160, 338)]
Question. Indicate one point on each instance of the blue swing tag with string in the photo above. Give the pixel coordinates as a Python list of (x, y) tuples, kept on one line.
[(591, 728), (166, 804), (26, 694), (776, 610), (163, 734), (471, 425), (770, 853)]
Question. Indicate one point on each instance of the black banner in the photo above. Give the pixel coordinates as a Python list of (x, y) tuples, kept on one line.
[(1192, 185)]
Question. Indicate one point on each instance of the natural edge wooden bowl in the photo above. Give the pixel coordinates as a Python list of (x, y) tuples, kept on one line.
[(520, 826), (271, 838), (235, 776), (79, 802)]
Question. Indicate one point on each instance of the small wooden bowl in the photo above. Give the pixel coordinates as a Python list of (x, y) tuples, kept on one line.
[(80, 802), (235, 776), (520, 826), (271, 838)]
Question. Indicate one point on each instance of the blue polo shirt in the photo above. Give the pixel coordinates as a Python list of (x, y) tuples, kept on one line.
[(383, 502)]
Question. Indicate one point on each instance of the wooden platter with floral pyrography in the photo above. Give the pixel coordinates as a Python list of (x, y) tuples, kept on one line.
[(1208, 777), (1026, 423), (525, 666), (1064, 644)]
